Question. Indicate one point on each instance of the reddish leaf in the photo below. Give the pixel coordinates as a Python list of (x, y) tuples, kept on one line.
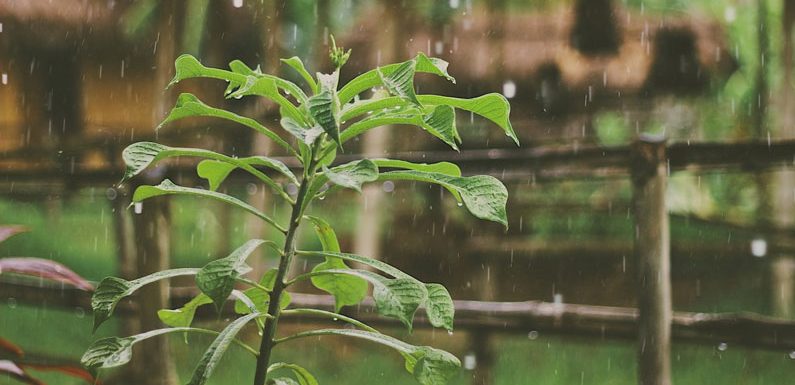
[(8, 231), (9, 347), (69, 370), (15, 372), (44, 268)]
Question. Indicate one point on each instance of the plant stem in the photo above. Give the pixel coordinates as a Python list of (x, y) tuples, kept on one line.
[(333, 316), (269, 330)]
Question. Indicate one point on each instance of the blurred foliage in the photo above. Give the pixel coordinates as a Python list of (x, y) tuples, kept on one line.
[(548, 360)]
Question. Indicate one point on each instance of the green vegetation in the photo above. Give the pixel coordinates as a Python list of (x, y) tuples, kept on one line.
[(320, 121)]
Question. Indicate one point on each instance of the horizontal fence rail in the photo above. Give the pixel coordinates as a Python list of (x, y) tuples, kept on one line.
[(741, 329), (540, 162)]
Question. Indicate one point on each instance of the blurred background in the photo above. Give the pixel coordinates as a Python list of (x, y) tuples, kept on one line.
[(81, 79)]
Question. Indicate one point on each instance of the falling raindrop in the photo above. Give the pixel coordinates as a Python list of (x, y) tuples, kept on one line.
[(438, 47), (449, 332), (453, 4), (723, 346), (509, 89), (111, 194), (138, 207), (80, 312), (388, 186), (759, 247), (12, 303), (237, 3), (1, 27), (470, 361), (4, 78), (730, 14), (532, 335), (792, 355), (292, 189), (251, 188)]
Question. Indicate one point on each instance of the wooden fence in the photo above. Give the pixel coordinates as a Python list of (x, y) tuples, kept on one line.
[(653, 324)]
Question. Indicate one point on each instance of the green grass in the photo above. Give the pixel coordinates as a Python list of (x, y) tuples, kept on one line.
[(79, 234), (548, 360), (570, 361)]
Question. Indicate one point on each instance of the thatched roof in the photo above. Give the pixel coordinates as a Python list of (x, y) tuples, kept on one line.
[(54, 23), (536, 47)]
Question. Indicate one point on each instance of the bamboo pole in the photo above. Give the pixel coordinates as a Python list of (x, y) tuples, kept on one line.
[(652, 250)]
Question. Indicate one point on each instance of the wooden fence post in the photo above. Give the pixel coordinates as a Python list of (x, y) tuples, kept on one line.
[(652, 250), (480, 341), (155, 365)]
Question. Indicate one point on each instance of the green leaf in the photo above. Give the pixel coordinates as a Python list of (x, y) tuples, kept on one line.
[(352, 175), (188, 67), (324, 106), (111, 352), (374, 104), (494, 107), (429, 366), (372, 78), (296, 64), (108, 352), (287, 86), (439, 306), (400, 82), (111, 290), (189, 105), (374, 263), (396, 297), (241, 68), (282, 381), (484, 196), (399, 298), (305, 135), (139, 156), (433, 65), (347, 290), (439, 122), (168, 187), (434, 366), (261, 298), (325, 233), (217, 278), (268, 86), (183, 317), (216, 171), (302, 375), (445, 168), (217, 348)]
